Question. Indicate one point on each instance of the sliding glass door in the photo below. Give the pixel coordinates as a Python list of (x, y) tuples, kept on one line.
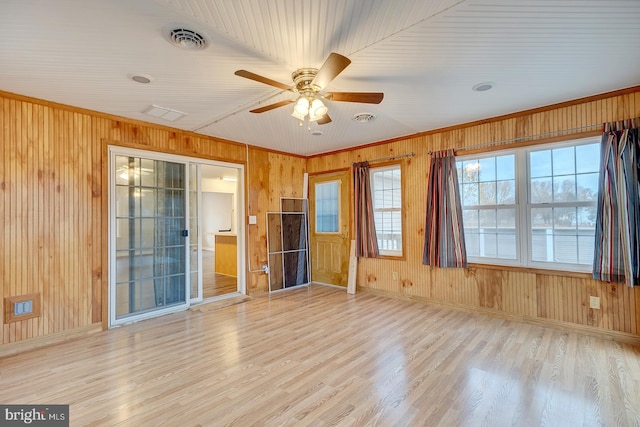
[(163, 233), (151, 236)]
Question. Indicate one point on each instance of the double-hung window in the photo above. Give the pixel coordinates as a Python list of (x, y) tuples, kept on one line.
[(532, 207), (386, 192)]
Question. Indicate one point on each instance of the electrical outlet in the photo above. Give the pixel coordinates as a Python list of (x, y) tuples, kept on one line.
[(594, 302), (395, 275)]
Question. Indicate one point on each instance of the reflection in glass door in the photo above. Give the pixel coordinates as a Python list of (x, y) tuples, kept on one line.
[(150, 244)]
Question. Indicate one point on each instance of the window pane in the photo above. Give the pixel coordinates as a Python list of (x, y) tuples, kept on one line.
[(565, 249), (470, 219), (488, 245), (506, 233), (488, 193), (507, 245), (488, 219), (564, 219), (585, 248), (542, 217), (505, 167), (564, 189), (387, 204), (587, 217), (564, 161), (470, 171), (487, 169), (540, 163), (587, 158), (472, 243), (506, 192), (470, 194), (506, 220), (327, 206), (540, 190), (587, 187)]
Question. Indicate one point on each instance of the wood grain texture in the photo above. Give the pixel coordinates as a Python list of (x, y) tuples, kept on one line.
[(226, 255), (270, 176), (538, 295), (275, 360), (53, 202)]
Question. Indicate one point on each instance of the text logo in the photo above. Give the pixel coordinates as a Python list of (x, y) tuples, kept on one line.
[(34, 415)]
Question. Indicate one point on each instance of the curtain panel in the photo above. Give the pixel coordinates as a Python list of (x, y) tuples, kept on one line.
[(444, 237), (366, 239), (617, 252)]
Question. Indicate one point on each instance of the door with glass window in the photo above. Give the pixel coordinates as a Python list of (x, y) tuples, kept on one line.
[(330, 223), (150, 239)]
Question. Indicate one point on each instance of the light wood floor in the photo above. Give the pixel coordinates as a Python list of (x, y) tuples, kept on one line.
[(214, 284), (317, 356)]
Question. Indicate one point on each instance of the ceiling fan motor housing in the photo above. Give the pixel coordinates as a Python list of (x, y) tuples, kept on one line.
[(303, 78)]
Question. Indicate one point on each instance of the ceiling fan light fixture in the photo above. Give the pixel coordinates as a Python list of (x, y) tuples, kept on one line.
[(297, 115), (302, 106), (318, 109)]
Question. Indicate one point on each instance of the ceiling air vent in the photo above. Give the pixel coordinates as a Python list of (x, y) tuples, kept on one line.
[(363, 117), (185, 38)]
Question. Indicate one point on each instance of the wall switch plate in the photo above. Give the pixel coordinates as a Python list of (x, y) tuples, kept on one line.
[(253, 220), (395, 275), (594, 302)]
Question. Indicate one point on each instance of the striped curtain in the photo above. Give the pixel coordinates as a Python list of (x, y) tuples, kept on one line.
[(616, 255), (444, 238), (366, 239)]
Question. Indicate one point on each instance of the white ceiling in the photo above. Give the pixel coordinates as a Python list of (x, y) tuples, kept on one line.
[(425, 55)]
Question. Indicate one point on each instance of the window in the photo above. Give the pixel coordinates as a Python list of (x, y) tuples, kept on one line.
[(533, 207), (327, 207), (386, 192)]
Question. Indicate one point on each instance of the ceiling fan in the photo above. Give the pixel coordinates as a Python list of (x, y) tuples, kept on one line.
[(308, 83)]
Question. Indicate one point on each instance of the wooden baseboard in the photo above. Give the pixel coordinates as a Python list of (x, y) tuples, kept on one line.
[(618, 336), (51, 339)]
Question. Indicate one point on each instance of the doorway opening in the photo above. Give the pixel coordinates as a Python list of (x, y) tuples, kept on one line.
[(175, 233)]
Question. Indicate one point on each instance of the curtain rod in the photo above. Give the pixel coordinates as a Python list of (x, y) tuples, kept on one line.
[(522, 138), (382, 159)]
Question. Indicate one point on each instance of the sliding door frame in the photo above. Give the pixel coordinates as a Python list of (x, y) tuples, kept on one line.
[(115, 150)]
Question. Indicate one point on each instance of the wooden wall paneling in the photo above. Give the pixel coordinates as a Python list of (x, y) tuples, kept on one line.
[(258, 205), (541, 296), (97, 247), (53, 202), (285, 178)]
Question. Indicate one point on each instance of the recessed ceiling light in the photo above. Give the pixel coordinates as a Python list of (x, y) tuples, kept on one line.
[(482, 87), (363, 117), (141, 78)]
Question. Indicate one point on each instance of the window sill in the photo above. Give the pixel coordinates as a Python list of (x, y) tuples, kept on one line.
[(546, 272), (392, 257)]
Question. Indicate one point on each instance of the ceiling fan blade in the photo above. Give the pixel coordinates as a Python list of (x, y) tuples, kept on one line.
[(252, 76), (333, 66), (364, 97), (324, 119), (272, 106)]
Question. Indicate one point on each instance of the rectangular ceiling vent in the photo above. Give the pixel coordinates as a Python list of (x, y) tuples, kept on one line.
[(164, 113)]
